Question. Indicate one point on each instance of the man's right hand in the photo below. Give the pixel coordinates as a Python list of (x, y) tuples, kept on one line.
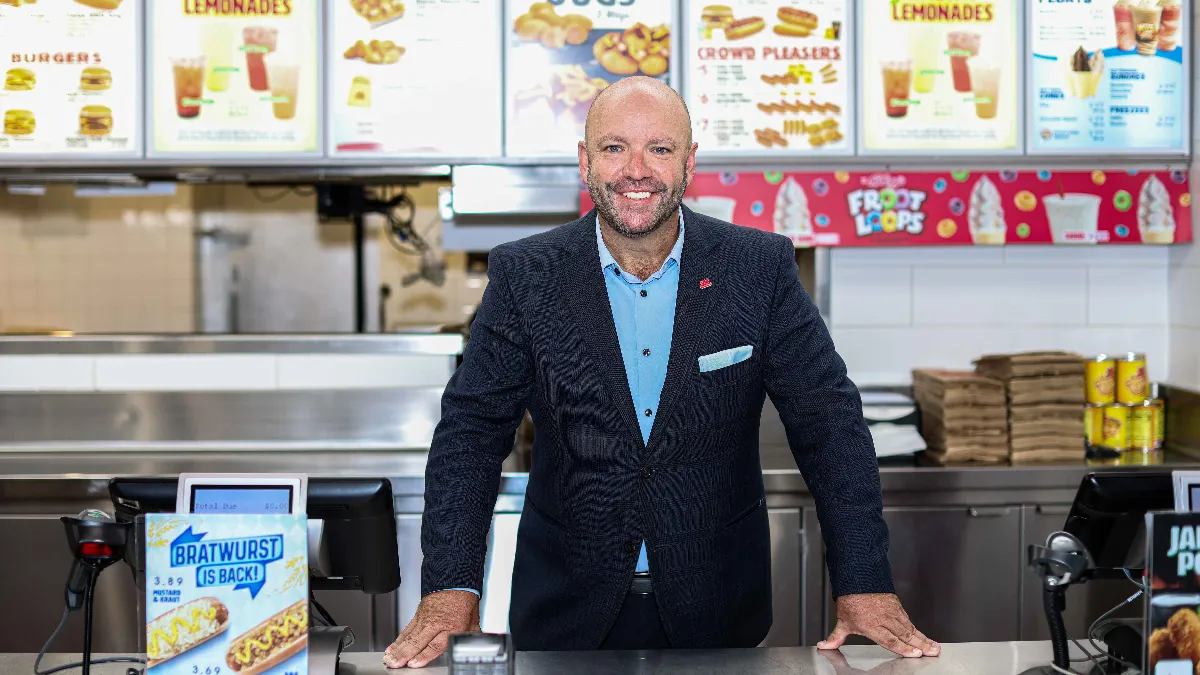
[(428, 634)]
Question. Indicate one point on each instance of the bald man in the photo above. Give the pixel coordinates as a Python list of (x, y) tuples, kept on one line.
[(642, 338)]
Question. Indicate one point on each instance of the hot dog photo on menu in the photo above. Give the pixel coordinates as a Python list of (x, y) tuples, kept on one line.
[(226, 594)]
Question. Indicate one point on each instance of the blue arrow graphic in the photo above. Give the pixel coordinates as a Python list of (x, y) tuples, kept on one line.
[(254, 587), (188, 537)]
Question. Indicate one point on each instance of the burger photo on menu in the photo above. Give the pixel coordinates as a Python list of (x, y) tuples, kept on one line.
[(769, 78), (561, 57)]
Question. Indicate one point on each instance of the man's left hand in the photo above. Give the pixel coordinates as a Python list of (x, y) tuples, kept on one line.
[(879, 617)]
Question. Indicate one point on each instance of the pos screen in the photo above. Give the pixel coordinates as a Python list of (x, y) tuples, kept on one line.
[(259, 499)]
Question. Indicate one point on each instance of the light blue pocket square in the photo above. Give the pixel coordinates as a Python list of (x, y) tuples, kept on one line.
[(724, 359)]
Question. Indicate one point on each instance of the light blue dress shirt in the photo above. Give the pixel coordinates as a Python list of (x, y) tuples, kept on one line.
[(644, 314)]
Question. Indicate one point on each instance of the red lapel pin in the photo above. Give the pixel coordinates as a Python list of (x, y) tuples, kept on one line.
[(705, 283)]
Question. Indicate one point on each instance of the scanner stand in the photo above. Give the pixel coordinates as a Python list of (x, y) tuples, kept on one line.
[(325, 645)]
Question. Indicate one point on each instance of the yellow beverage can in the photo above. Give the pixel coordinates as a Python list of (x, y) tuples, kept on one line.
[(1101, 376), (1132, 386), (1140, 458), (1093, 425), (1141, 427), (1114, 430)]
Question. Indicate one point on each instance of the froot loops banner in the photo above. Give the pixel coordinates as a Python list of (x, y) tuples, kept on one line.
[(990, 208)]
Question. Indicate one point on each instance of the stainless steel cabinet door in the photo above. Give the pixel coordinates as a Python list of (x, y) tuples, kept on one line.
[(955, 570), (786, 556), (1085, 603), (33, 582)]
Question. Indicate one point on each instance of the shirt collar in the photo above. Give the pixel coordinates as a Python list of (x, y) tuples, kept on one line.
[(607, 261)]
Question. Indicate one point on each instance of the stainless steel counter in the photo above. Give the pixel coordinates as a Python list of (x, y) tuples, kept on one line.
[(978, 658)]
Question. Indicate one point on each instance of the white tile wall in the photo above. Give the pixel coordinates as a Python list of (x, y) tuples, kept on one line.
[(969, 301)]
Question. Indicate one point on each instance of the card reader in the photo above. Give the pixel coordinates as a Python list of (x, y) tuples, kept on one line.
[(481, 654)]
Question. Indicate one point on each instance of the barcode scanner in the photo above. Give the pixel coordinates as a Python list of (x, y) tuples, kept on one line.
[(96, 541)]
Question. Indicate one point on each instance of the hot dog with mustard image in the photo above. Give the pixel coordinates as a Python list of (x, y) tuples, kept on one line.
[(271, 642), (184, 627)]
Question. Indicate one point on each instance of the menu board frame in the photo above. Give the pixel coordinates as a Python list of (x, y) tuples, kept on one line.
[(137, 152), (1021, 65), (1184, 151), (256, 158), (687, 29), (674, 78), (329, 152)]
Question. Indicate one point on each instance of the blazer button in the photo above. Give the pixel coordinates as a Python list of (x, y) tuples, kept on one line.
[(646, 472), (631, 546)]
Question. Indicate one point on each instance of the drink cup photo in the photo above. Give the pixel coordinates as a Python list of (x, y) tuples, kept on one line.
[(960, 47), (1145, 23), (189, 85), (1073, 217), (218, 50), (897, 87), (720, 208), (1126, 33), (285, 79), (258, 42), (923, 44), (1168, 28), (985, 80)]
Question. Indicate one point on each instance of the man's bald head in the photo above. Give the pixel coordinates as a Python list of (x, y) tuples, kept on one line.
[(629, 95)]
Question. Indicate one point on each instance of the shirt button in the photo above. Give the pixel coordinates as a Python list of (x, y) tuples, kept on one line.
[(645, 352), (643, 294), (617, 271), (648, 412), (646, 472)]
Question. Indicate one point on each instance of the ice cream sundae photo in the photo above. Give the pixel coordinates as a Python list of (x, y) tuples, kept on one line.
[(1083, 73)]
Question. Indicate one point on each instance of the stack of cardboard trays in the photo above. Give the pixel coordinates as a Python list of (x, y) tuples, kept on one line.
[(964, 417), (1045, 392)]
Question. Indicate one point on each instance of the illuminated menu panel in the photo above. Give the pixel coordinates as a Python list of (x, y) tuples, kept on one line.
[(940, 75), (769, 78), (400, 82), (71, 79), (1109, 76), (561, 55), (234, 77)]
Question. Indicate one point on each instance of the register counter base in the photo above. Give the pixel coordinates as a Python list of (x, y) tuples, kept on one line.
[(977, 658)]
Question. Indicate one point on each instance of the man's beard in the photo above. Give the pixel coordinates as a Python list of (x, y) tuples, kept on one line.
[(602, 197)]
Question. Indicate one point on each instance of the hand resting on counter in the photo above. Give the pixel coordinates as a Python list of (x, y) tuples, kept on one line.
[(879, 617), (438, 616)]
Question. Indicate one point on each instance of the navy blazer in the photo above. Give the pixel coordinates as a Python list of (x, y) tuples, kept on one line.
[(544, 340)]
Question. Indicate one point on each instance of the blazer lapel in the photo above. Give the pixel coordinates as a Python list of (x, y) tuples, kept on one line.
[(699, 264), (587, 296)]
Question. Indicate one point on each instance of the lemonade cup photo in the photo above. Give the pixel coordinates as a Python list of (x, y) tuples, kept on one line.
[(285, 80), (189, 85), (985, 84), (897, 87)]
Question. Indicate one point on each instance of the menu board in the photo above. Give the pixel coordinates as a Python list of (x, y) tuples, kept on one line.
[(769, 77), (1109, 76), (560, 56), (237, 77), (398, 84), (939, 76), (71, 78)]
